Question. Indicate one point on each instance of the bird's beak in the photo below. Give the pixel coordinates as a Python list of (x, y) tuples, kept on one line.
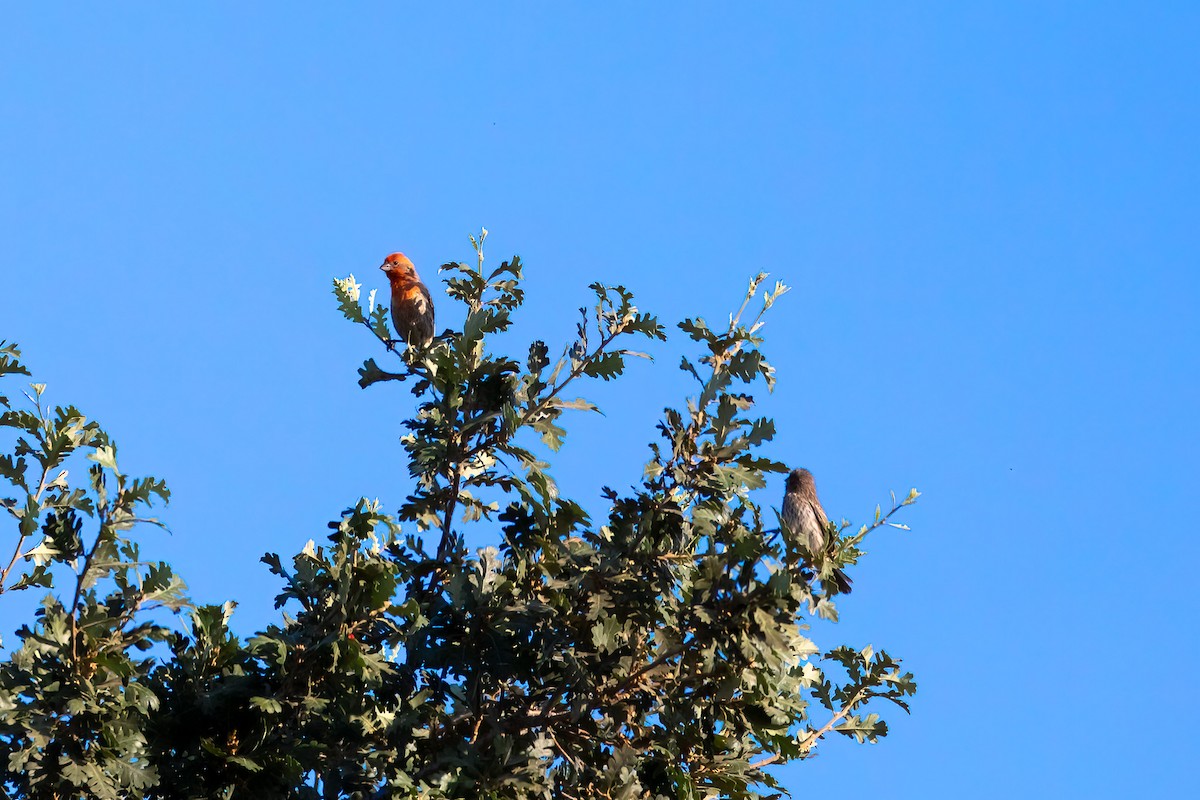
[(384, 266)]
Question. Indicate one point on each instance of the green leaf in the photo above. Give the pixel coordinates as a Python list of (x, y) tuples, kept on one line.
[(864, 729), (268, 705), (484, 321), (143, 490), (604, 634), (379, 320), (347, 291), (10, 363), (647, 325), (539, 357), (370, 373), (762, 430), (13, 470), (63, 531), (105, 456), (698, 330), (553, 435), (39, 576), (606, 366), (578, 404)]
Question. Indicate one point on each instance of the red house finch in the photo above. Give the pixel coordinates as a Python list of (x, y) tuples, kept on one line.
[(803, 517), (412, 307)]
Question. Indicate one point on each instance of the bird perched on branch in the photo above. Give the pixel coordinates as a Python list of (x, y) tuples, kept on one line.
[(803, 517), (412, 307)]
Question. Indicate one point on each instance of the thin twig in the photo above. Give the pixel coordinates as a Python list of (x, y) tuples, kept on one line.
[(810, 741), (879, 523), (451, 502), (87, 565), (37, 501), (658, 662)]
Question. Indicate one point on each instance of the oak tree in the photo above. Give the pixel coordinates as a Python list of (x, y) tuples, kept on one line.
[(659, 648)]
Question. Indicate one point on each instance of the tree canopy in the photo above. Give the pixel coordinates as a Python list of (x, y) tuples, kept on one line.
[(657, 650)]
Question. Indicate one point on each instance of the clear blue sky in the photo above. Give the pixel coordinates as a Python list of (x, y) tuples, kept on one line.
[(988, 212)]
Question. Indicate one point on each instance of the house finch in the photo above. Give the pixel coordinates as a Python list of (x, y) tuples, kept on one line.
[(803, 517), (412, 307)]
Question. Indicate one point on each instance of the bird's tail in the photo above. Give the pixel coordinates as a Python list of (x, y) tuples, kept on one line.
[(843, 581)]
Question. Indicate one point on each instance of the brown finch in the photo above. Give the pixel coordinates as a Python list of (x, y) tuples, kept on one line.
[(412, 307), (803, 517)]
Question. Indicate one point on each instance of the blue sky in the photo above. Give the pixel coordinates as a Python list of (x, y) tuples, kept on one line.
[(987, 212)]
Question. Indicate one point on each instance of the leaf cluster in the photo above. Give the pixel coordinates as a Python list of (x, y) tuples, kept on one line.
[(75, 704)]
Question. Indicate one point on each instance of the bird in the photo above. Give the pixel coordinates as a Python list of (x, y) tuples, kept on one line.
[(412, 306), (803, 517)]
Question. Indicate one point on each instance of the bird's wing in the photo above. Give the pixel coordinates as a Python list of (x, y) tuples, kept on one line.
[(817, 522), (819, 513), (428, 301)]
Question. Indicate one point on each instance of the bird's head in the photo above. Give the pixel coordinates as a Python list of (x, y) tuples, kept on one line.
[(801, 480), (397, 265)]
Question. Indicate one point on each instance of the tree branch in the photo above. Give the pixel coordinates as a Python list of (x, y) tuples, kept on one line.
[(572, 375), (87, 565), (37, 501), (810, 741)]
